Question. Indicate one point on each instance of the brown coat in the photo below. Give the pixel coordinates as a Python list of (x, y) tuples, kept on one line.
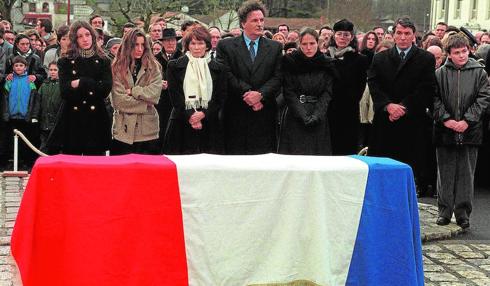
[(135, 116)]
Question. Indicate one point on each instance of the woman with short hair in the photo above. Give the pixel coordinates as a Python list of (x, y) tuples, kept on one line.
[(347, 89), (197, 88)]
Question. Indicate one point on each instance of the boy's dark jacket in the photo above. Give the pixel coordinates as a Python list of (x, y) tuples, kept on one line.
[(50, 102), (462, 94)]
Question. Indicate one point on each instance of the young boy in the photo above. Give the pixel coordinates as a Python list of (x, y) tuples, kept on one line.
[(462, 97), (49, 94), (21, 107)]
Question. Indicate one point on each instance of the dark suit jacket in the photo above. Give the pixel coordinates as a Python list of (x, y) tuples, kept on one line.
[(248, 131), (412, 84), (164, 107)]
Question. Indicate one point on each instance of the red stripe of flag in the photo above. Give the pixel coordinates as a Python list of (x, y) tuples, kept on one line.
[(101, 221)]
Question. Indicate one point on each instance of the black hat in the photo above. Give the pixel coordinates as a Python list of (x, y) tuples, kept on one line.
[(469, 35), (343, 25), (168, 33)]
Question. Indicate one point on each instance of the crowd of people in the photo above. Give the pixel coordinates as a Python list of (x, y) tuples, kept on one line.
[(418, 99)]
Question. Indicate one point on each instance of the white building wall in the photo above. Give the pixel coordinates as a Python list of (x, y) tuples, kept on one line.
[(465, 17)]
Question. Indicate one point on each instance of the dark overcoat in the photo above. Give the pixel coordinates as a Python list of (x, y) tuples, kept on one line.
[(83, 126), (248, 131), (411, 83), (164, 107), (307, 92), (180, 137), (344, 116)]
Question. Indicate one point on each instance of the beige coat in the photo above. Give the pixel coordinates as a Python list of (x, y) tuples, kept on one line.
[(366, 107), (135, 116)]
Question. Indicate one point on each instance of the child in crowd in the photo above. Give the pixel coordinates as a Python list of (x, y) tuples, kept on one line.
[(462, 97), (50, 102), (21, 107)]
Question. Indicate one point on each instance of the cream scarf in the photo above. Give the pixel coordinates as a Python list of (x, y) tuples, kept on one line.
[(198, 84), (339, 54)]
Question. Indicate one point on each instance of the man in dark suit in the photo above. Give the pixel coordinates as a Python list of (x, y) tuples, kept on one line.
[(253, 64), (402, 85), (169, 52)]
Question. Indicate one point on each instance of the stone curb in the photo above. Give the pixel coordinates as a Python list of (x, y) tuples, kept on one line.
[(429, 230)]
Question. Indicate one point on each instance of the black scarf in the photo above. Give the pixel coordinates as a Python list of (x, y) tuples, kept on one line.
[(297, 62)]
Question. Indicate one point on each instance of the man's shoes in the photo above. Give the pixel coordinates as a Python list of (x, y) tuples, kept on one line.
[(464, 223), (443, 221)]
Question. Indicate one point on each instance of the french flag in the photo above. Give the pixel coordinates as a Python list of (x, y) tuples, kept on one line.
[(218, 220)]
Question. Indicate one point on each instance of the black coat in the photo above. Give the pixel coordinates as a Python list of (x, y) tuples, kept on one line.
[(83, 126), (343, 111), (164, 107), (307, 92), (412, 84), (248, 131), (180, 137)]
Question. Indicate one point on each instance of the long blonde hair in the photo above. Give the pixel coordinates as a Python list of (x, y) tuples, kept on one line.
[(124, 59)]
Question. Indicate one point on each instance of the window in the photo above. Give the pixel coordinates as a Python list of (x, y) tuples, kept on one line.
[(474, 11), (457, 9), (45, 7), (441, 4), (32, 7)]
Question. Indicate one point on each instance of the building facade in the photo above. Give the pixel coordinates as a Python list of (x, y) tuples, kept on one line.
[(472, 14)]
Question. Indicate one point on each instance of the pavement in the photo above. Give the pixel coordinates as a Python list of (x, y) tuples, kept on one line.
[(447, 259)]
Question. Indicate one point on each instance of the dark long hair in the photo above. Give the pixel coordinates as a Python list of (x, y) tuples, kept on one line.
[(365, 39), (73, 48), (17, 40)]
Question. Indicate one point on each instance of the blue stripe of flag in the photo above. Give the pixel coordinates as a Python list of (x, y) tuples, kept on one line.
[(388, 249)]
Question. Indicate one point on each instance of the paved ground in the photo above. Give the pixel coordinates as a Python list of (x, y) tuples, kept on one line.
[(11, 192), (447, 259), (457, 263), (480, 222)]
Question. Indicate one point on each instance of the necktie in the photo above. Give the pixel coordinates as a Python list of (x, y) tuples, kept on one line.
[(252, 51), (212, 54), (402, 55)]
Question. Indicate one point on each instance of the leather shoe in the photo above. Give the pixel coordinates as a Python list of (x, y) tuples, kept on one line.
[(464, 223), (442, 221)]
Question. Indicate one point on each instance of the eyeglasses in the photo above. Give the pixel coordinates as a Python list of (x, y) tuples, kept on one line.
[(343, 34)]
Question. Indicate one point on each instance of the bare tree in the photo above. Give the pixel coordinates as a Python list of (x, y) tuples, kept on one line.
[(222, 8), (6, 9), (357, 11), (123, 11)]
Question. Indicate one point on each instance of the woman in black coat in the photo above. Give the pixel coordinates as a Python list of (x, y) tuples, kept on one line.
[(308, 79), (85, 76), (369, 44), (197, 89), (22, 47), (347, 89)]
